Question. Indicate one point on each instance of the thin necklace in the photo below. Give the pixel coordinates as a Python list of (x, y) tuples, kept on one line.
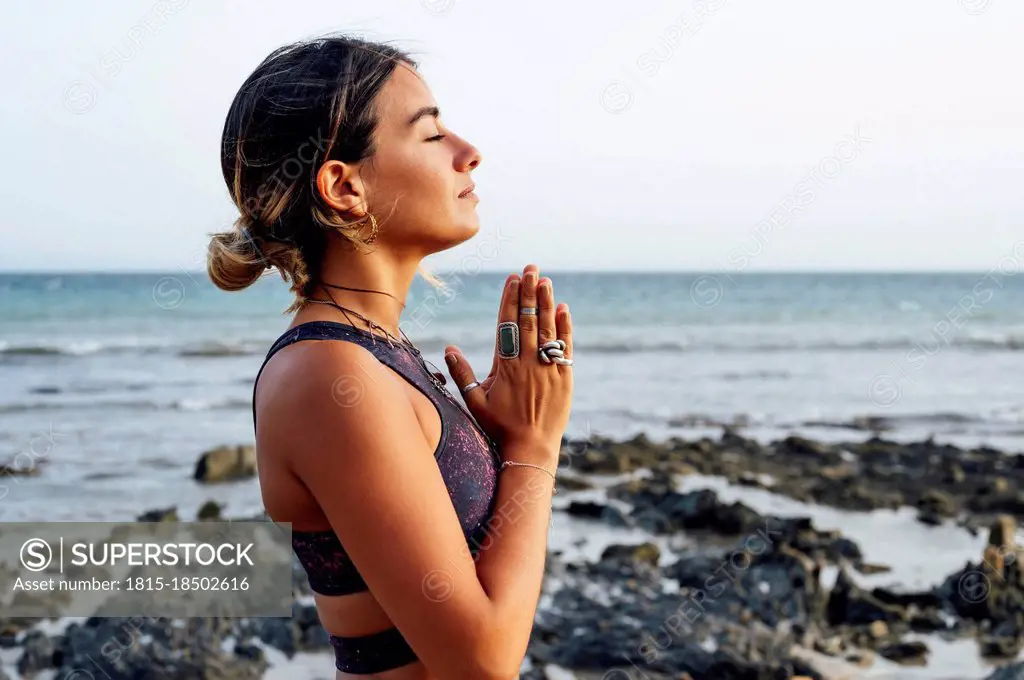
[(363, 290), (404, 340)]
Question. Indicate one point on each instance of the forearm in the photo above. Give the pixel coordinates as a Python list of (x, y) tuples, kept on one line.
[(510, 560)]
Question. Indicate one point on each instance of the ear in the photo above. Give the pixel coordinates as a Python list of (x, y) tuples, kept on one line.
[(341, 187)]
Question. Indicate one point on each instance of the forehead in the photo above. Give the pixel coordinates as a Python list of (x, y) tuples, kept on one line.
[(402, 95)]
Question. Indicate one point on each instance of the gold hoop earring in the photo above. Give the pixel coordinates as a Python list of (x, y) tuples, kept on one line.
[(374, 228)]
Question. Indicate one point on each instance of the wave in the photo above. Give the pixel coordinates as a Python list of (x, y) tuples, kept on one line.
[(1011, 344), (226, 403), (78, 349), (218, 349), (213, 349), (105, 387), (722, 343), (736, 376), (83, 348)]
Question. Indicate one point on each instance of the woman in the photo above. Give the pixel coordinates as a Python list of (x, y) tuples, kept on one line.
[(422, 527)]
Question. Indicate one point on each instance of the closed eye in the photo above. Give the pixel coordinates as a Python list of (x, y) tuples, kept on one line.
[(436, 138)]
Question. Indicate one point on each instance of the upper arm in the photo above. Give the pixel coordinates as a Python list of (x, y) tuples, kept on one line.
[(359, 449)]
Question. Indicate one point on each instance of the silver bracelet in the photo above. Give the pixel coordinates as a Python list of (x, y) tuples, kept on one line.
[(509, 463)]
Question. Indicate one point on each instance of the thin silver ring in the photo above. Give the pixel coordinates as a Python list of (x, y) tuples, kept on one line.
[(470, 386), (528, 311)]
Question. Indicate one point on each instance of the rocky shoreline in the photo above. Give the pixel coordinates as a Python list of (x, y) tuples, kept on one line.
[(940, 480), (745, 598)]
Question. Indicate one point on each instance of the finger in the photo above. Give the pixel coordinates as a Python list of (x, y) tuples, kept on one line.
[(563, 321), (462, 374), (546, 311), (528, 322), (508, 310)]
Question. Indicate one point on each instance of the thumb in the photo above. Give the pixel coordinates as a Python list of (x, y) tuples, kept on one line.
[(462, 374)]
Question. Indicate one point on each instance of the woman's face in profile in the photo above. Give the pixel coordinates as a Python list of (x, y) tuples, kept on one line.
[(414, 179)]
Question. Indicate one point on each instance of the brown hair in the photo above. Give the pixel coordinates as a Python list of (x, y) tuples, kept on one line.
[(306, 103)]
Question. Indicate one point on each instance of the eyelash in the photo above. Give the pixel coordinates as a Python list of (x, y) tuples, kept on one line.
[(436, 138)]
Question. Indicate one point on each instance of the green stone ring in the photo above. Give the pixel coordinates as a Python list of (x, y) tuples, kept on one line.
[(508, 339)]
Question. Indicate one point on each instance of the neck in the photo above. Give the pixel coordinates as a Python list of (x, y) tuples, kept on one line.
[(382, 270)]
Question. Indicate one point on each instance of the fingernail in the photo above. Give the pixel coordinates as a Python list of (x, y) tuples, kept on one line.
[(451, 359)]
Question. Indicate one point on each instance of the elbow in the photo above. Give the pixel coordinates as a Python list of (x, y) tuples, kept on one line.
[(492, 671), (498, 661)]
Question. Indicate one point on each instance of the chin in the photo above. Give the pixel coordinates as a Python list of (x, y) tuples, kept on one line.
[(456, 233)]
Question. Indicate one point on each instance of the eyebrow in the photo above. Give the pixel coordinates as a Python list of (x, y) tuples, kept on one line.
[(425, 111)]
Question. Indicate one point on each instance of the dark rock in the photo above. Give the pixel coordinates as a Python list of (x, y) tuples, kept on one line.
[(250, 652), (1004, 644), (848, 603), (38, 654), (566, 483), (800, 446), (659, 509), (597, 511), (14, 470), (953, 475), (845, 548), (937, 502), (1009, 503), (139, 647), (1003, 532), (643, 554), (311, 635), (907, 653), (226, 463), (995, 486), (922, 600), (930, 621), (159, 515), (11, 628), (209, 511), (868, 569)]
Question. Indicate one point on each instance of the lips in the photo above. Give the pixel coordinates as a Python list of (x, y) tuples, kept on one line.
[(467, 191)]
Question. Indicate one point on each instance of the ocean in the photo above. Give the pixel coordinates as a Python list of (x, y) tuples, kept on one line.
[(116, 383), (112, 385)]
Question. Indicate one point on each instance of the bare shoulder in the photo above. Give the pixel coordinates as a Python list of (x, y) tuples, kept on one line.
[(335, 390)]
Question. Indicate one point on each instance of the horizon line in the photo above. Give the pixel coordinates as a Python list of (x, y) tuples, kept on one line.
[(743, 272)]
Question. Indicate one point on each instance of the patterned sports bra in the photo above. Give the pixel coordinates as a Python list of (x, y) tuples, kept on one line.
[(466, 457)]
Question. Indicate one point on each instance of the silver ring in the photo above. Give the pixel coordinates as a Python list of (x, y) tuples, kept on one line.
[(508, 340), (470, 386), (528, 311), (553, 352)]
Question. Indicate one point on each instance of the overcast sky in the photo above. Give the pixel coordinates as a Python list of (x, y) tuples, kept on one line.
[(643, 135)]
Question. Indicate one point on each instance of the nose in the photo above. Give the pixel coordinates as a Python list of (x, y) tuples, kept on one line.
[(469, 158)]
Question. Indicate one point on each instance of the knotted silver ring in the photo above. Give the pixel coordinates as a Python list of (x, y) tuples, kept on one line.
[(553, 351)]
